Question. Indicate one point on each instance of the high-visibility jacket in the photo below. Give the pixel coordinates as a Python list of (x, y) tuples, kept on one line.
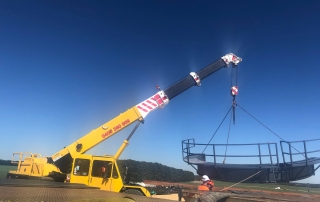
[(206, 186)]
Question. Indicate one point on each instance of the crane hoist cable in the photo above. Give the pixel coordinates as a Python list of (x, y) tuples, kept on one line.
[(229, 130), (217, 129), (225, 152), (234, 92), (268, 129)]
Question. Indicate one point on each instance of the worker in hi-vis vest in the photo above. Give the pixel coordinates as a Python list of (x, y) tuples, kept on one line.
[(206, 185)]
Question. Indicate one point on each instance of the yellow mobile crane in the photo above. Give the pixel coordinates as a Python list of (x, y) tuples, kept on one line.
[(73, 165)]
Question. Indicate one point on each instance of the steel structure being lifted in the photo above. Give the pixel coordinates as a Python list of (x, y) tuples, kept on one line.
[(262, 159), (265, 166)]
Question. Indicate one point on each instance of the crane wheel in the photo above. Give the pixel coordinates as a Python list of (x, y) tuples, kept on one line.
[(10, 176), (57, 176), (133, 191), (58, 179)]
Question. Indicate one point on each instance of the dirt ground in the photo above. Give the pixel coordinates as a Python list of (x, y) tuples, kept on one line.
[(258, 194), (262, 196), (173, 197)]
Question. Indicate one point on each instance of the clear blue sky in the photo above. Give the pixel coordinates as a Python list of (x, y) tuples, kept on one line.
[(69, 66)]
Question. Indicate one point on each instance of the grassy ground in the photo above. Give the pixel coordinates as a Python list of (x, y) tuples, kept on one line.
[(4, 170)]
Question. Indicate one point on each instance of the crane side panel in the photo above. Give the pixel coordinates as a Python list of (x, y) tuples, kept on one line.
[(105, 131)]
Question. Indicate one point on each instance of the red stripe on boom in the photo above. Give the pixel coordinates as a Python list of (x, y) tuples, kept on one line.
[(142, 109), (144, 104), (149, 102)]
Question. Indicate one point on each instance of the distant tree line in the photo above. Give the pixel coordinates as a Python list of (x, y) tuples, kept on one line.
[(7, 163), (197, 177), (141, 170)]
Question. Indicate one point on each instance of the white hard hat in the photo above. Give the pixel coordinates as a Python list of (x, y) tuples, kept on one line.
[(205, 178)]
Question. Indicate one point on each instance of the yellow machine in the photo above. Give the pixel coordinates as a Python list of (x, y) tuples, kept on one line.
[(71, 164)]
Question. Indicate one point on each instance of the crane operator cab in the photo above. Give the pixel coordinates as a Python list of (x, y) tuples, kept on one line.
[(101, 172), (95, 171)]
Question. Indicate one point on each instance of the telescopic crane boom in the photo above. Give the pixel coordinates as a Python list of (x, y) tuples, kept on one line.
[(139, 112), (73, 165)]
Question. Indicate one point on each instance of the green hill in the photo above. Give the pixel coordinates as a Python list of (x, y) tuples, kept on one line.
[(138, 171)]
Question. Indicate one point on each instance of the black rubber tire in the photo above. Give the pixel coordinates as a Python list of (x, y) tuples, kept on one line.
[(58, 177), (214, 197), (13, 176), (133, 191), (9, 176)]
